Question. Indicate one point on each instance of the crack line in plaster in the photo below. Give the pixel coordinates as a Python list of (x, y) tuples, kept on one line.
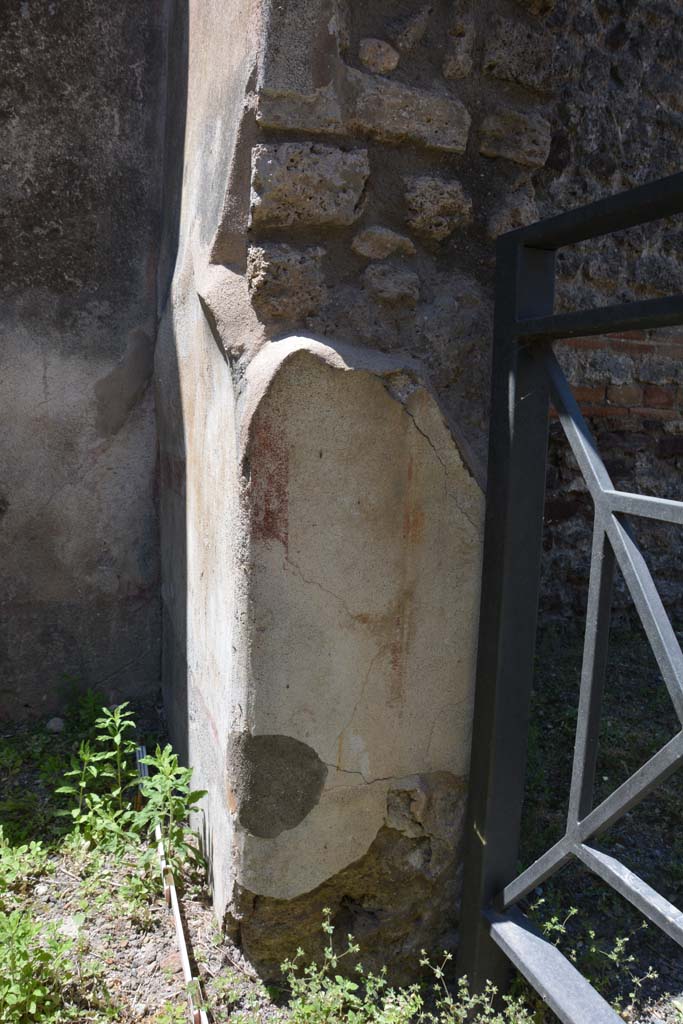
[(340, 739), (366, 781), (381, 650), (315, 583), (448, 494), (438, 718)]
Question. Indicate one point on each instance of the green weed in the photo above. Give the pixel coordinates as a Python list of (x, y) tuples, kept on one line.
[(20, 867), (43, 977)]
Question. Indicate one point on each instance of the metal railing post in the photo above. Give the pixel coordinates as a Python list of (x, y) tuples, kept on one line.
[(510, 584), (495, 934)]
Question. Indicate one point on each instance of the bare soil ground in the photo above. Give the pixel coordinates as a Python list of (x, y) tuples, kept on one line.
[(132, 943)]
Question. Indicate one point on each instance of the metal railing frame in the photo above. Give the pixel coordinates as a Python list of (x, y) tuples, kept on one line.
[(525, 379)]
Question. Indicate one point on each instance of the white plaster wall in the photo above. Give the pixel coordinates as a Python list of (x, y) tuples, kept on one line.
[(363, 592)]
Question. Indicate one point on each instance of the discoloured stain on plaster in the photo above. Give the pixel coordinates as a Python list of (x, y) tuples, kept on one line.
[(400, 896), (273, 782), (269, 475)]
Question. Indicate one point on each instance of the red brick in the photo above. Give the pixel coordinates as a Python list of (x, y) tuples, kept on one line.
[(629, 336), (632, 348), (655, 414), (625, 394), (669, 351), (582, 342), (586, 394), (658, 396), (604, 411), (616, 344)]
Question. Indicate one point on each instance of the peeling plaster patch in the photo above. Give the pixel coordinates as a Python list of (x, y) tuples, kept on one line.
[(398, 897), (274, 782), (269, 480)]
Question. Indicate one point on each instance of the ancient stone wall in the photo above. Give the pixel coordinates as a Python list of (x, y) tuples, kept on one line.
[(629, 390), (335, 173), (81, 120), (478, 118), (321, 521), (347, 167)]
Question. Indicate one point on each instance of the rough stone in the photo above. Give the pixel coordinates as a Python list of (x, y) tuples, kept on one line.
[(392, 285), (399, 897), (304, 183), (318, 112), (377, 243), (436, 206), (517, 210), (523, 137), (458, 59), (286, 283), (520, 53), (407, 32), (55, 725), (537, 6), (273, 782), (393, 112), (378, 56)]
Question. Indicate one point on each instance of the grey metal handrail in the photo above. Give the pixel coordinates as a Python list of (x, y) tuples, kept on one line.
[(526, 377)]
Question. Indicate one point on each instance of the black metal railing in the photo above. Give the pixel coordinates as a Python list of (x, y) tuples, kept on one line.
[(526, 378)]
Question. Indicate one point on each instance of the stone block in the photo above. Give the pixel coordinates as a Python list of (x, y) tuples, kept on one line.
[(378, 56), (591, 395), (537, 6), (518, 52), (407, 32), (285, 283), (392, 285), (317, 112), (436, 206), (458, 59), (516, 211), (377, 243), (523, 137), (393, 112), (305, 183), (657, 396)]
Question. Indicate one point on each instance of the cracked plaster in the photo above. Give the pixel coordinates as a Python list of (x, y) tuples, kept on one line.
[(363, 572)]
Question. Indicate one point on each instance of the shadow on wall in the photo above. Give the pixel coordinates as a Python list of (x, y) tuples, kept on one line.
[(172, 467)]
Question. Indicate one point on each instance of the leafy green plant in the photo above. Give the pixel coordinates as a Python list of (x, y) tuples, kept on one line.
[(101, 780), (171, 1013), (115, 728), (26, 815), (474, 1008), (11, 759), (83, 708), (321, 995), (42, 978), (103, 786), (20, 867), (169, 801), (610, 967)]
